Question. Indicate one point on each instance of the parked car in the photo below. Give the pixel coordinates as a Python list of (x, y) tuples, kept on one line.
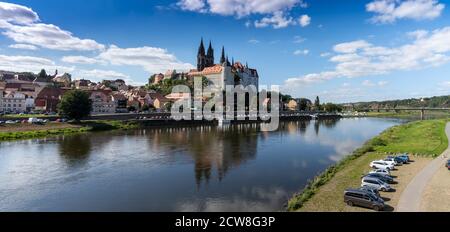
[(448, 164), (397, 159), (372, 190), (386, 179), (375, 183), (363, 198), (381, 165), (405, 156), (390, 161), (10, 122), (32, 120), (381, 171)]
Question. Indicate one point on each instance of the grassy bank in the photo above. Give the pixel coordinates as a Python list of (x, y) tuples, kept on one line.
[(27, 131), (410, 114), (424, 138)]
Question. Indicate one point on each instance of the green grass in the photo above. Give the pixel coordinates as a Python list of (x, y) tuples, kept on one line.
[(425, 138), (4, 136), (410, 114), (422, 138), (85, 126), (28, 116)]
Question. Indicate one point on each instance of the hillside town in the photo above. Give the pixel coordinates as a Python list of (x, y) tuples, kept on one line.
[(26, 92)]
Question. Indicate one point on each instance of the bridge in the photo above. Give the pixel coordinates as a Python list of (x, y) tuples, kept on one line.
[(422, 110)]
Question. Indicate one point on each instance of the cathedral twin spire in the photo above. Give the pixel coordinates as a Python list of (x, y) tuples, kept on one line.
[(206, 59)]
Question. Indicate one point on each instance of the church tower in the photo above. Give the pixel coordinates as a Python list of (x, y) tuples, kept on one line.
[(210, 56), (201, 57), (222, 57)]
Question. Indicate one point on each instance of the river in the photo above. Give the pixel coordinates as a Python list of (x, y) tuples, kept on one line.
[(204, 168)]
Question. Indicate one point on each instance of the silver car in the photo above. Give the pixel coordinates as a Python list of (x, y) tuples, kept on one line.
[(375, 183)]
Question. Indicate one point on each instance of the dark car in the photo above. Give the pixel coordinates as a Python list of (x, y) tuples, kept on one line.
[(448, 164), (384, 178), (404, 156), (357, 197), (398, 159), (372, 190)]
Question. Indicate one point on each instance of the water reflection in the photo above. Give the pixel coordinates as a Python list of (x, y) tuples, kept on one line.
[(207, 168), (75, 150), (210, 147)]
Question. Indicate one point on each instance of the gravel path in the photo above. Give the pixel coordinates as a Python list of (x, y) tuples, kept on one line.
[(411, 198)]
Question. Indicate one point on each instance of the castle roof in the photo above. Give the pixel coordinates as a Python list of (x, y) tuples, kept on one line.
[(208, 70)]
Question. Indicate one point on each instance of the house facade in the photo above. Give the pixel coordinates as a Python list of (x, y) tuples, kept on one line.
[(14, 102), (102, 102)]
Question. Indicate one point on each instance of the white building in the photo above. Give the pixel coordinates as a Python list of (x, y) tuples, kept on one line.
[(224, 75), (102, 103), (14, 102)]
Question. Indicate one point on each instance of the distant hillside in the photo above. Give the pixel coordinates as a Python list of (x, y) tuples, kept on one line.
[(432, 102)]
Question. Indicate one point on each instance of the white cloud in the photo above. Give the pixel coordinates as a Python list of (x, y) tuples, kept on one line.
[(382, 83), (254, 41), (351, 47), (301, 52), (418, 34), (23, 46), (29, 64), (20, 24), (97, 75), (239, 8), (388, 11), (275, 11), (299, 39), (325, 54), (277, 20), (360, 58), (192, 5), (445, 84), (368, 83), (17, 14), (82, 60), (151, 59), (304, 20)]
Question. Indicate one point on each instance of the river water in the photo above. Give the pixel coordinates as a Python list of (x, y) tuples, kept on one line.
[(205, 168)]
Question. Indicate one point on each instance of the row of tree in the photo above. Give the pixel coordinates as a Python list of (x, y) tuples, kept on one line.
[(431, 102)]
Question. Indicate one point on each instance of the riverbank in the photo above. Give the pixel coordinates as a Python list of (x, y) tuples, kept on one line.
[(424, 139), (410, 114), (28, 131)]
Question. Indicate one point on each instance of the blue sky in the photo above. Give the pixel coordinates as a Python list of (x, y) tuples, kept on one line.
[(342, 50)]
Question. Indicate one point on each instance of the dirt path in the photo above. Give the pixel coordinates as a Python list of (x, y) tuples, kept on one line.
[(437, 193), (411, 198)]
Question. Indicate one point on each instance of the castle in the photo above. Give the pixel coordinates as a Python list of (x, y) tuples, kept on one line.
[(224, 73)]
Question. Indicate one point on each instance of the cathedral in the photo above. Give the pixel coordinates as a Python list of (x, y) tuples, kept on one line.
[(206, 59), (224, 73)]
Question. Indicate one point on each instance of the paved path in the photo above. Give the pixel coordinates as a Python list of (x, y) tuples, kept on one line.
[(412, 195)]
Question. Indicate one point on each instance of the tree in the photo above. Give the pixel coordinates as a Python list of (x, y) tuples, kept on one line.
[(131, 108), (75, 105), (332, 108), (145, 108), (317, 103), (304, 104), (43, 74)]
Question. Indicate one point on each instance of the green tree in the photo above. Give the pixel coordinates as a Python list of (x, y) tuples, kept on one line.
[(75, 105), (43, 74), (145, 108), (332, 108), (317, 103), (304, 104)]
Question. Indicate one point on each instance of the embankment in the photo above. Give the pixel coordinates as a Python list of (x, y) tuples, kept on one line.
[(424, 139)]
